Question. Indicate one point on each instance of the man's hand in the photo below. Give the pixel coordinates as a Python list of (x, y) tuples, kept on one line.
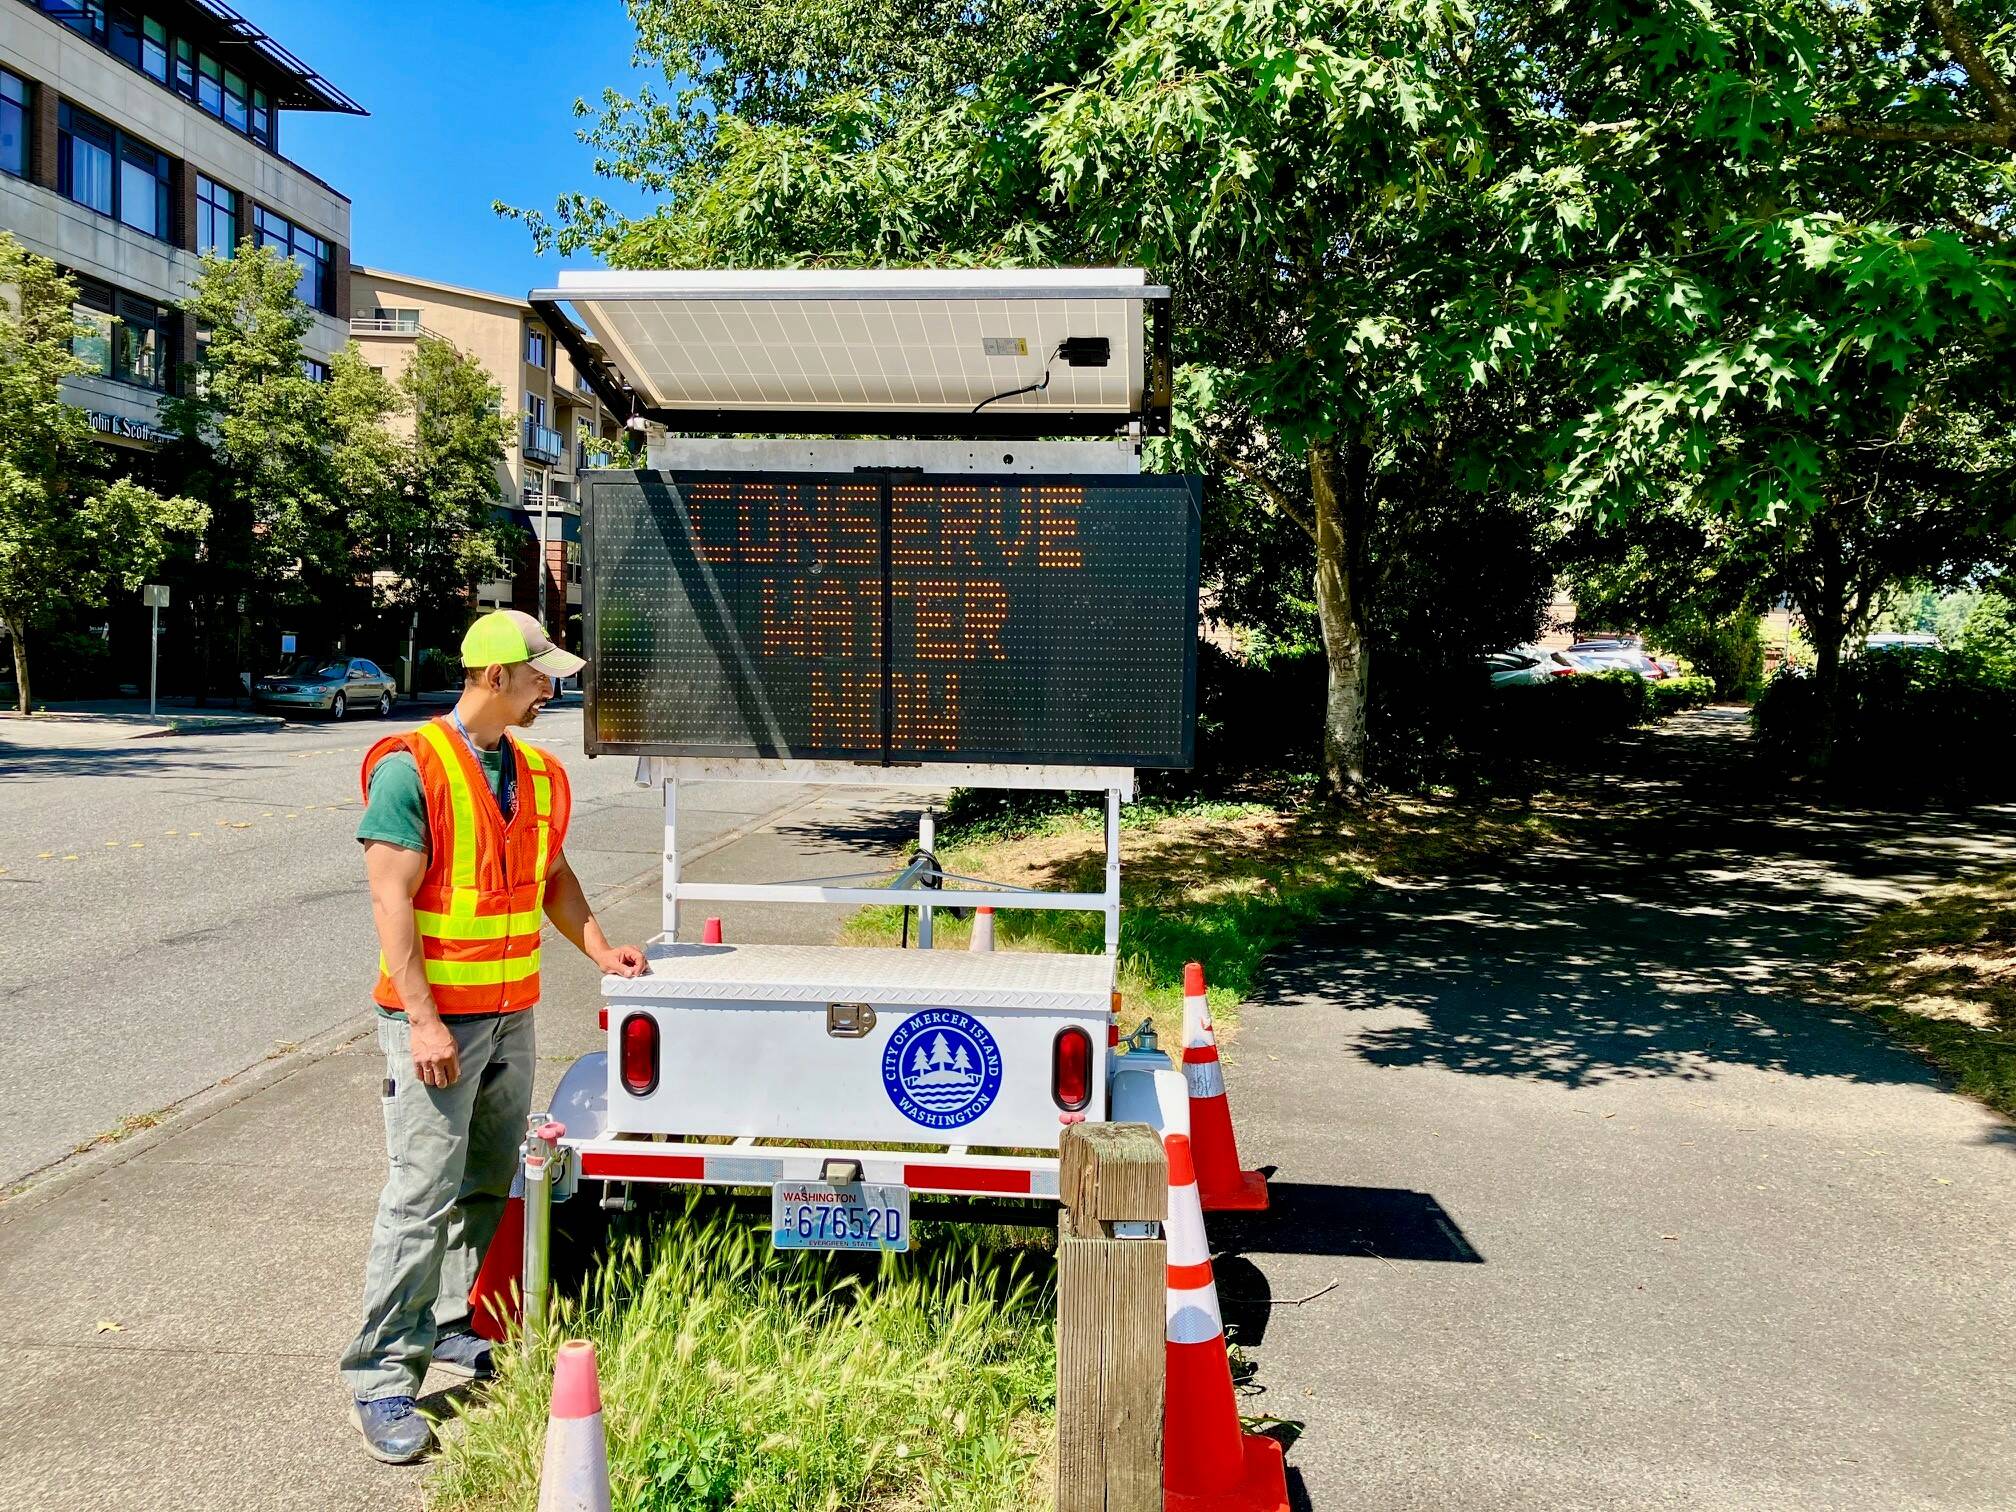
[(621, 960), (435, 1060)]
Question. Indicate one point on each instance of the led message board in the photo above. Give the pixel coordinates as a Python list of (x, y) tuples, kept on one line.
[(900, 619)]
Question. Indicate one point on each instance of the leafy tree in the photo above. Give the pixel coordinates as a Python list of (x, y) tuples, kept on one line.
[(1746, 258), (1790, 289), (439, 530), (68, 536), (257, 441)]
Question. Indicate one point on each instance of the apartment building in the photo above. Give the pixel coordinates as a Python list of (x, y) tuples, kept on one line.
[(131, 141), (561, 427)]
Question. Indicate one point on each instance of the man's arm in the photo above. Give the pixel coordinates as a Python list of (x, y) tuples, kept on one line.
[(394, 873), (567, 906)]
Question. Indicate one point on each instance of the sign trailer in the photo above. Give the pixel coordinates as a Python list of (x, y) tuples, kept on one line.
[(991, 595)]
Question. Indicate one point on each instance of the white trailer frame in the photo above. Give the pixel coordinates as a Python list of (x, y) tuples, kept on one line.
[(1115, 783)]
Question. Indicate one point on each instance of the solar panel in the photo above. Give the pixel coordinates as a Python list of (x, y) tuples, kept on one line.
[(840, 343)]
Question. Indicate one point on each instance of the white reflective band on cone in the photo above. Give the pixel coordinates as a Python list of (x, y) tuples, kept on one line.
[(1185, 1228), (1197, 1023), (1205, 1078), (576, 1477), (1172, 1100), (1193, 1317)]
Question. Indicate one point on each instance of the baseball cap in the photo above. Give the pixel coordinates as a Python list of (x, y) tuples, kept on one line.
[(504, 636)]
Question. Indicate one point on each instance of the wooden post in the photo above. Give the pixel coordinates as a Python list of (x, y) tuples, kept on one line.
[(1110, 1320)]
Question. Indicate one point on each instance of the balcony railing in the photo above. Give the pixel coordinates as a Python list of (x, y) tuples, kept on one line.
[(556, 503), (543, 443), (593, 456), (401, 323)]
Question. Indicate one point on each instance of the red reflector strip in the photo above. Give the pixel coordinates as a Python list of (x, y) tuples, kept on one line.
[(937, 1178), (644, 1167), (1189, 1277), (1197, 1055)]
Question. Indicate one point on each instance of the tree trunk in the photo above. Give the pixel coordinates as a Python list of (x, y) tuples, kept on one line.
[(1337, 485), (21, 688)]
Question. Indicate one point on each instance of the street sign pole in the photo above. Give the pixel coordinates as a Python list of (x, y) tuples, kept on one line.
[(155, 597)]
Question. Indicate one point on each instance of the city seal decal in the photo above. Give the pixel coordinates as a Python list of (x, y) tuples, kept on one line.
[(941, 1068)]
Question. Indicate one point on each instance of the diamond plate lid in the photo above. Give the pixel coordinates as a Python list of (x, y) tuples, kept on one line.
[(819, 974)]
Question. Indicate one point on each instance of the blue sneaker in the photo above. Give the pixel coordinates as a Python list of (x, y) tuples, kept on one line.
[(393, 1429), (462, 1353)]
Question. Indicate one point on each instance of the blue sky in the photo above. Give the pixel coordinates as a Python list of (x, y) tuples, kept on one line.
[(469, 103)]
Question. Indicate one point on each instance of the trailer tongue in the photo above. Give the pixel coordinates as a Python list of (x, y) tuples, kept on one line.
[(917, 613)]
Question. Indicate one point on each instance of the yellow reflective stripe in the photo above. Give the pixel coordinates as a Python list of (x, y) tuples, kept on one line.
[(542, 796), (477, 926), (482, 973), (462, 803)]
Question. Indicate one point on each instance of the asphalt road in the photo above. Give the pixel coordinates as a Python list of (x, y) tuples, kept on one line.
[(180, 908), (1586, 1200)]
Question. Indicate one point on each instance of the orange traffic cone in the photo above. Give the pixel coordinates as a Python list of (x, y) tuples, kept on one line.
[(494, 1298), (1226, 1188), (1208, 1463), (575, 1474), (983, 929)]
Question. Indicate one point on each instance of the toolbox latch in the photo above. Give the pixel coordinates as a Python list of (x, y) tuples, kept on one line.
[(849, 1020)]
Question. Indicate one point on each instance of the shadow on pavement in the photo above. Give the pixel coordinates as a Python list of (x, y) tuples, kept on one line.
[(1675, 929)]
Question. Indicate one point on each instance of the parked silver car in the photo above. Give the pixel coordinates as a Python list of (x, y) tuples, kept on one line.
[(333, 685)]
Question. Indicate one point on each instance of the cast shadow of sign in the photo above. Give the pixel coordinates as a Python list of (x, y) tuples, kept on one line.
[(1379, 1224)]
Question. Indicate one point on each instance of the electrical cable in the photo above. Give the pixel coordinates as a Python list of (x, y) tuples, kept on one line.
[(1027, 388)]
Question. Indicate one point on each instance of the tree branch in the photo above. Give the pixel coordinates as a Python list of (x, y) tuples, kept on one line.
[(1276, 495), (1985, 133), (1960, 42)]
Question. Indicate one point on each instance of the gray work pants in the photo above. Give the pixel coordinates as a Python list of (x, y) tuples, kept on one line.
[(453, 1152)]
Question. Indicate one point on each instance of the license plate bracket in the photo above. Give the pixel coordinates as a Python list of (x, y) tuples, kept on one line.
[(827, 1215)]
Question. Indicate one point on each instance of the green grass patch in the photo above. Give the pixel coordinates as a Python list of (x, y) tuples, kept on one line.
[(1940, 974), (1223, 884), (733, 1376)]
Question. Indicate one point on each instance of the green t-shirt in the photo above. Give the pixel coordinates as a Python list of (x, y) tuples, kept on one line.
[(396, 811)]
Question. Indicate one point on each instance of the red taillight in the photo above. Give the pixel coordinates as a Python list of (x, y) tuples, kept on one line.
[(1071, 1069), (638, 1054), (1561, 672), (602, 1017)]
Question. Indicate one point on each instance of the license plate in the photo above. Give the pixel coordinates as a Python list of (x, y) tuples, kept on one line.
[(819, 1215)]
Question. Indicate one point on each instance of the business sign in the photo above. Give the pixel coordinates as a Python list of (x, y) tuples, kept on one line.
[(899, 619), (126, 428)]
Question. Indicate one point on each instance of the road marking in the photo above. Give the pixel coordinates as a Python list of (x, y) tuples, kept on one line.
[(69, 858), (136, 845), (46, 856)]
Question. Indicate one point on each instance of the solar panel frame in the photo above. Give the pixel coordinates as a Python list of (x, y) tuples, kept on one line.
[(896, 350)]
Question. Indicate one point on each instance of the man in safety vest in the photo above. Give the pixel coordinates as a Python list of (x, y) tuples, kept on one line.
[(463, 831)]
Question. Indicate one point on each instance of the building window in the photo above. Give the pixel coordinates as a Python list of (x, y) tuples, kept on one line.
[(216, 217), (143, 187), (84, 147), (236, 103), (536, 408), (124, 337), (262, 118), (185, 69), (313, 371), (381, 318), (93, 311), (86, 16), (210, 84), (14, 118), (535, 348), (154, 50), (309, 250)]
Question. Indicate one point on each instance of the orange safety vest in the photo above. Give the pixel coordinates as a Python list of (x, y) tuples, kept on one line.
[(481, 902)]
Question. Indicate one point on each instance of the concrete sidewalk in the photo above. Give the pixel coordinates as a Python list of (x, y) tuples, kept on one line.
[(171, 1309), (1584, 1201)]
